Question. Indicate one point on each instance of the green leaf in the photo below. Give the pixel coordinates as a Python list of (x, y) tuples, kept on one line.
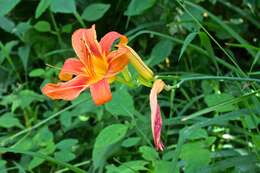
[(162, 166), (137, 7), (42, 26), (215, 99), (37, 72), (22, 28), (67, 144), (63, 6), (122, 103), (108, 137), (42, 156), (128, 167), (35, 162), (148, 153), (205, 42), (25, 98), (7, 6), (43, 137), (8, 120), (2, 166), (198, 134), (95, 11), (132, 141), (195, 157), (64, 156), (7, 49), (23, 53), (186, 43), (6, 24), (256, 141), (160, 52), (42, 7)]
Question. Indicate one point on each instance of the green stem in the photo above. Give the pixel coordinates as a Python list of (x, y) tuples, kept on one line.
[(197, 48), (184, 79), (10, 61), (57, 32), (215, 107), (79, 19), (241, 12), (40, 123), (213, 39)]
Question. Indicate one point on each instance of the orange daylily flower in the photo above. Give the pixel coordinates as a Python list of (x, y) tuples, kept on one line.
[(156, 119), (96, 66)]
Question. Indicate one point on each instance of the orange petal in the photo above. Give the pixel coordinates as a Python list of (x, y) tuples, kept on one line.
[(78, 44), (107, 41), (156, 119), (117, 61), (72, 66), (100, 92), (90, 38), (66, 90)]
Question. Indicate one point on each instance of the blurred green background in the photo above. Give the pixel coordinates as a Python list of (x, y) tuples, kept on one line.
[(207, 49)]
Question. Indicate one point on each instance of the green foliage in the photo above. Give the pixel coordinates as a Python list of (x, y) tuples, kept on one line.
[(95, 11), (206, 51)]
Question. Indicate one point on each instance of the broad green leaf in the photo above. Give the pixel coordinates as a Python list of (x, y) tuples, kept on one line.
[(35, 162), (2, 166), (160, 52), (66, 144), (250, 121), (95, 11), (107, 138), (63, 6), (66, 28), (128, 167), (6, 24), (148, 153), (43, 137), (186, 43), (137, 7), (197, 134), (194, 156), (21, 29), (64, 156), (162, 166), (9, 120), (7, 49), (42, 7), (7, 6), (256, 141), (122, 103), (132, 141), (215, 99), (205, 42), (42, 26), (23, 53), (37, 72)]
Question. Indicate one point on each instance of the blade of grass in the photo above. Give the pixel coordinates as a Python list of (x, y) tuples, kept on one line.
[(243, 46), (220, 22), (3, 142), (205, 77), (241, 12), (215, 107), (186, 42), (212, 38), (48, 158), (197, 48), (76, 165)]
